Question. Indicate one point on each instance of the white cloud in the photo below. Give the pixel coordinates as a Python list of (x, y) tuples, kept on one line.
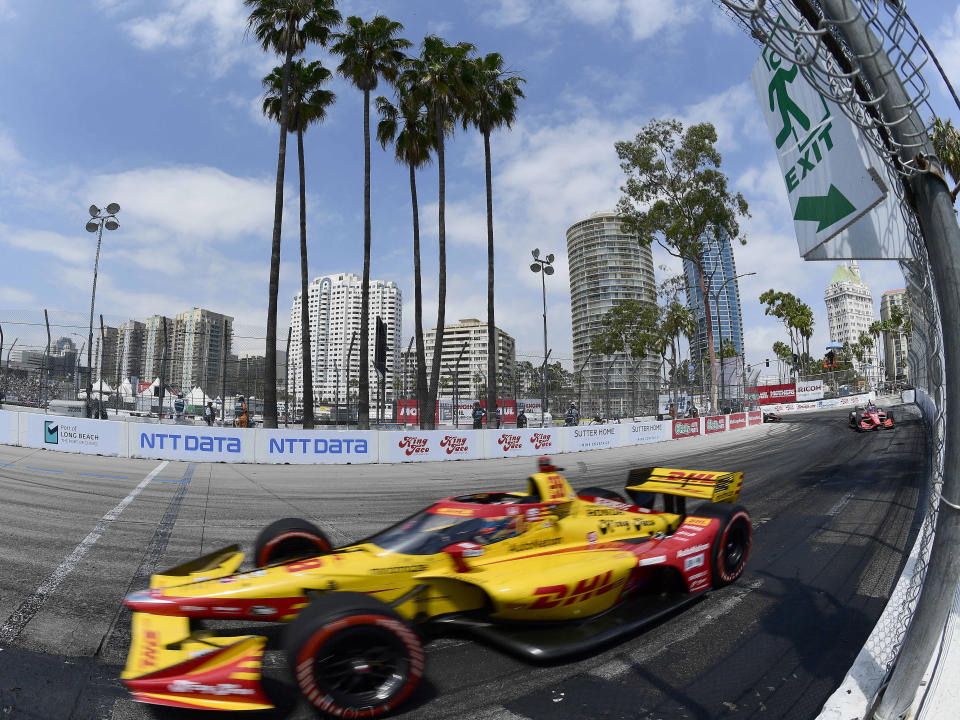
[(13, 296), (732, 112), (946, 45), (9, 155), (644, 18)]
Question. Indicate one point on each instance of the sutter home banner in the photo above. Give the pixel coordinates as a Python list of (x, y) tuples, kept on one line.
[(591, 437), (809, 390), (77, 435), (637, 433), (774, 394), (526, 441), (189, 442), (313, 447), (420, 445)]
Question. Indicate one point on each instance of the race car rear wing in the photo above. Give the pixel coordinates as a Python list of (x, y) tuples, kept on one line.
[(702, 484)]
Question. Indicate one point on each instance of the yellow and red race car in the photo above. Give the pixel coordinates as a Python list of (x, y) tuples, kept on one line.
[(544, 574)]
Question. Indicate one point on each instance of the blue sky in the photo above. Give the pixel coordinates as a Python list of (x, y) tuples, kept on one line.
[(154, 104)]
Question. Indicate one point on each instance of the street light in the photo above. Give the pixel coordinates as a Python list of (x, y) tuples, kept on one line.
[(716, 302), (98, 219), (544, 266)]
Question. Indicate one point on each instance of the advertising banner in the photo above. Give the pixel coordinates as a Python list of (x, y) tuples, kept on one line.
[(526, 441), (508, 412), (591, 437), (8, 428), (773, 394), (809, 390), (755, 417), (686, 428), (638, 433), (191, 442), (715, 423), (420, 445), (736, 421), (76, 435), (316, 447)]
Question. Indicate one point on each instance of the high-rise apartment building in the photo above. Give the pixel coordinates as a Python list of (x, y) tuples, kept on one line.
[(130, 347), (896, 343), (105, 354), (470, 336), (201, 346), (334, 309), (157, 353), (608, 266), (723, 293), (850, 313)]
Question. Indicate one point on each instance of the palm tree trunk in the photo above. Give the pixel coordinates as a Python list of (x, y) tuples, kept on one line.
[(418, 303), (363, 400), (708, 316), (307, 370), (493, 354), (270, 359), (441, 280)]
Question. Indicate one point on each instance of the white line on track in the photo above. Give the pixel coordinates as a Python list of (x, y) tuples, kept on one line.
[(693, 624), (841, 504), (29, 607)]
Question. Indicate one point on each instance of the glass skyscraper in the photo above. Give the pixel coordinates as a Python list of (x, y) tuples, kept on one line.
[(723, 292)]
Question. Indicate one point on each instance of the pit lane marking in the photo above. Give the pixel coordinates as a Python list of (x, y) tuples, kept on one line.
[(693, 624), (31, 606)]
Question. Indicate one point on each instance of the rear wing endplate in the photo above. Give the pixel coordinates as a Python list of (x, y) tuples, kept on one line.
[(702, 484)]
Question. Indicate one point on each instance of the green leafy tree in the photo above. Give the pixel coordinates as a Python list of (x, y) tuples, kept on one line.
[(440, 79), (492, 104), (676, 195), (946, 143), (407, 126), (284, 27), (307, 104), (632, 328), (370, 51), (782, 350)]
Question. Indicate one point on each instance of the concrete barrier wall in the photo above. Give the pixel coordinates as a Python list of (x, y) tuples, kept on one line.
[(199, 443)]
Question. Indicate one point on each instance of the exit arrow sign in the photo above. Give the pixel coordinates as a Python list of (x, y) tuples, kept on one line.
[(824, 209)]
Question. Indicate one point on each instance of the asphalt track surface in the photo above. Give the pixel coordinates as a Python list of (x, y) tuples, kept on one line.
[(833, 512)]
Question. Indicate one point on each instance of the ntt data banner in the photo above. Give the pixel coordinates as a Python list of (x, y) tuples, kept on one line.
[(420, 445), (316, 447), (638, 433), (69, 434), (527, 441), (591, 437), (191, 442)]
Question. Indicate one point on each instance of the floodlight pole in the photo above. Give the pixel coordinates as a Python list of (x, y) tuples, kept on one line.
[(929, 196), (544, 266), (97, 220)]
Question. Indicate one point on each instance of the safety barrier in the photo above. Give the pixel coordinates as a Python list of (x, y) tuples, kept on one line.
[(257, 445)]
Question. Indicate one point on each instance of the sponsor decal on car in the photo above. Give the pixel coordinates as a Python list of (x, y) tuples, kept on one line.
[(701, 522), (550, 596), (534, 544), (189, 686), (691, 550), (693, 562)]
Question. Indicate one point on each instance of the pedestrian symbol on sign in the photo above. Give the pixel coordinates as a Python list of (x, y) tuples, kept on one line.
[(780, 98)]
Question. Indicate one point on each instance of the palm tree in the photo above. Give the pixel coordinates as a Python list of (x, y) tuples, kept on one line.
[(370, 51), (493, 104), (946, 142), (407, 126), (307, 104), (438, 78), (284, 27)]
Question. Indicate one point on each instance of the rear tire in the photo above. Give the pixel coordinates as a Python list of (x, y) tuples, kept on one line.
[(353, 656), (289, 539), (731, 547)]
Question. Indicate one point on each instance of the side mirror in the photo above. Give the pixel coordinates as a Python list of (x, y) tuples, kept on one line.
[(461, 550)]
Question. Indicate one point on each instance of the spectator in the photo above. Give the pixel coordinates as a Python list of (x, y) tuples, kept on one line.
[(477, 415), (2, 396), (499, 417), (573, 416), (521, 419), (208, 413)]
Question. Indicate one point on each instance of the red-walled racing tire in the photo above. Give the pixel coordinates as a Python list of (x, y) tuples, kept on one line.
[(353, 656), (289, 539), (731, 547)]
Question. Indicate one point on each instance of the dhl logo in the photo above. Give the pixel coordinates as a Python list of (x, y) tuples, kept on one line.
[(552, 596), (150, 647), (701, 522), (306, 564), (692, 475), (459, 512), (556, 488)]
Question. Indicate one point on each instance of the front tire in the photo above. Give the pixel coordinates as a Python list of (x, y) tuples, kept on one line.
[(289, 539), (731, 546), (353, 656)]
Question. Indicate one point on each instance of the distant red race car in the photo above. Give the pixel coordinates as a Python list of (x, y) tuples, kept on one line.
[(870, 418)]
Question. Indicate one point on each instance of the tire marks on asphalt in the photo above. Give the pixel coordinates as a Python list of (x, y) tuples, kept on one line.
[(31, 606)]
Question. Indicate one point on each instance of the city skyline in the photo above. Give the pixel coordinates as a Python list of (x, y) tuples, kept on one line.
[(189, 157)]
